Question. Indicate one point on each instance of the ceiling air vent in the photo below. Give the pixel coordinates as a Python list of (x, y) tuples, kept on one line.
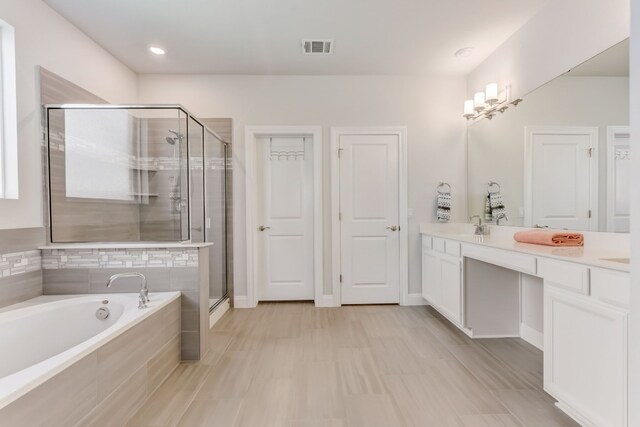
[(317, 47)]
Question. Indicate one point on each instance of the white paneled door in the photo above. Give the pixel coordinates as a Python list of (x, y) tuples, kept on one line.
[(369, 211), (285, 219), (563, 177)]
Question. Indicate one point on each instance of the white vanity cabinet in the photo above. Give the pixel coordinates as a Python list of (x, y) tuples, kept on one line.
[(442, 276), (585, 320), (585, 342)]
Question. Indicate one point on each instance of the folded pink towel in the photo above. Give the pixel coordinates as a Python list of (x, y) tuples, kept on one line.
[(550, 238)]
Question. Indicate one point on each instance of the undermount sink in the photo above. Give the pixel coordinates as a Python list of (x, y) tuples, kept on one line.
[(619, 260)]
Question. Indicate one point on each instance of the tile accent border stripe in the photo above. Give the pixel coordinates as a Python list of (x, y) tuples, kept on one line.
[(53, 259), (15, 263)]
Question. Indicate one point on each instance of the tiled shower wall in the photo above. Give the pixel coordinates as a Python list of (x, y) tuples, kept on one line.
[(20, 265), (86, 271)]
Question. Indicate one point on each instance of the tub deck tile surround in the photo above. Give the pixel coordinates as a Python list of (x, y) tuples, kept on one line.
[(20, 265), (290, 364), (108, 386), (179, 268)]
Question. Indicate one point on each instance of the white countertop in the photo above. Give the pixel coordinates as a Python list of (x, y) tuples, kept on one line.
[(127, 245), (597, 249)]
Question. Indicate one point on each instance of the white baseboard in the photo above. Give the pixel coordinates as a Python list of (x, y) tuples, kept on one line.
[(218, 312), (533, 337), (327, 301), (574, 415), (415, 299), (241, 301)]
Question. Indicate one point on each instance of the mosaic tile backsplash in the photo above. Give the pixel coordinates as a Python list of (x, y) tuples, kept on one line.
[(19, 262), (115, 258)]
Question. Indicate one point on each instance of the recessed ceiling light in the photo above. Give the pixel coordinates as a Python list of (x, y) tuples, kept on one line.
[(465, 52), (157, 50)]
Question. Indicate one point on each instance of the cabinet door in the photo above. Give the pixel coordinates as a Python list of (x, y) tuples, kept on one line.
[(431, 290), (585, 357), (450, 281)]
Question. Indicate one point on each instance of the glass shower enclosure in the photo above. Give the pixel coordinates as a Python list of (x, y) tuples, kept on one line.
[(138, 173)]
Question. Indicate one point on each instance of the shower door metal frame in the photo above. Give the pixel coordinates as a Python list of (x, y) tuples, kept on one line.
[(46, 108), (225, 145)]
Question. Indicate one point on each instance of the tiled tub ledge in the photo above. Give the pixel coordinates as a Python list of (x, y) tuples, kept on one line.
[(106, 381)]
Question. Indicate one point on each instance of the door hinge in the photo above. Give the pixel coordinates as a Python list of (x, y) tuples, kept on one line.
[(341, 278), (589, 213), (339, 216), (340, 152)]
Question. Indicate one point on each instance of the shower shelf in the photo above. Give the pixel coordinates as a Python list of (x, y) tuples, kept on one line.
[(144, 194), (144, 169)]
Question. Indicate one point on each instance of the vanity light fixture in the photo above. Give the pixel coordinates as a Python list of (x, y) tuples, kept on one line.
[(156, 50), (485, 105)]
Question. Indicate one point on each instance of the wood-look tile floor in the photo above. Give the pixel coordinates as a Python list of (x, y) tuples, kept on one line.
[(290, 364)]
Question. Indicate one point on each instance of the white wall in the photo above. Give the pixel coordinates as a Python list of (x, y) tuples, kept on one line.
[(562, 35), (496, 147), (429, 107), (634, 332), (44, 38)]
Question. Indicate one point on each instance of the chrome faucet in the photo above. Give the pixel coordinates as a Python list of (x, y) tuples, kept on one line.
[(501, 216), (479, 230), (144, 290)]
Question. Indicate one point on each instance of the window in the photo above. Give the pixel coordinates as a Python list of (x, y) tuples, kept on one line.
[(8, 114)]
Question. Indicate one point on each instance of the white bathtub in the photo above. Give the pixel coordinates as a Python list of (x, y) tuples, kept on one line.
[(41, 337)]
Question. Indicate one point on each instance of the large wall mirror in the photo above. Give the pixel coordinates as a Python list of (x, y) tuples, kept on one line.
[(560, 159)]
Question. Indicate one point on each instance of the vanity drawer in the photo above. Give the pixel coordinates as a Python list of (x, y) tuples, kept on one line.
[(426, 242), (452, 248), (507, 259), (438, 244), (573, 277), (612, 287)]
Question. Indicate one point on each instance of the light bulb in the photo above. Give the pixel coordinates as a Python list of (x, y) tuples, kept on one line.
[(478, 101), (469, 109), (491, 93)]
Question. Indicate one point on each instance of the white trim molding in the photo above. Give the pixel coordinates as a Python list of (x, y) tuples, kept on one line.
[(218, 313), (401, 131), (252, 133), (533, 337), (8, 114), (241, 301)]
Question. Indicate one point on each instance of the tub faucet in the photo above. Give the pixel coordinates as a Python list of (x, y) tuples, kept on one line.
[(144, 291)]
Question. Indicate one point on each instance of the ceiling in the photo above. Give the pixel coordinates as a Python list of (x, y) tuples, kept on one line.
[(372, 37), (613, 62)]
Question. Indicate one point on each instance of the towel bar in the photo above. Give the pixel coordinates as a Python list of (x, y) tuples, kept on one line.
[(440, 187)]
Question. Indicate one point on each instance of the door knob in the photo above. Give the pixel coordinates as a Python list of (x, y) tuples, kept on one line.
[(262, 228), (393, 228)]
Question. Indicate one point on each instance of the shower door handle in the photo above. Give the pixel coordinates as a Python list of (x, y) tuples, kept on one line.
[(262, 228)]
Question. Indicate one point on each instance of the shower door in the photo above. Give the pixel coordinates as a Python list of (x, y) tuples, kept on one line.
[(215, 182)]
